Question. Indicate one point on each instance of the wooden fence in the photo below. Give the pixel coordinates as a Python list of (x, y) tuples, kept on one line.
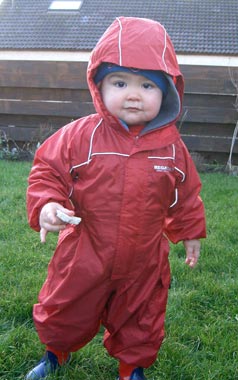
[(38, 97)]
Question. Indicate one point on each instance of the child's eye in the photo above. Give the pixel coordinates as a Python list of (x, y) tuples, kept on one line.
[(148, 85), (120, 84)]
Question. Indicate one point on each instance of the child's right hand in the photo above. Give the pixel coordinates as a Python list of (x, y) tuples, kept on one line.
[(49, 221)]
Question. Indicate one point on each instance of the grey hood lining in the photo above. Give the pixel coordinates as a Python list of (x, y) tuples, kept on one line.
[(169, 111)]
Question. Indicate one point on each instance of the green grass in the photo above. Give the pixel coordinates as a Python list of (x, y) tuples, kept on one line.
[(202, 316)]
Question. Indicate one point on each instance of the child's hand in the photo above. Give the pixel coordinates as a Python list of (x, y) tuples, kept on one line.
[(192, 248), (49, 221)]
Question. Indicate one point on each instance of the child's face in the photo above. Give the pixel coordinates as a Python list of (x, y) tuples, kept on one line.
[(132, 98)]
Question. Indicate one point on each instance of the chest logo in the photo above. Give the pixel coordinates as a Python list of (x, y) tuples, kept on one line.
[(162, 168)]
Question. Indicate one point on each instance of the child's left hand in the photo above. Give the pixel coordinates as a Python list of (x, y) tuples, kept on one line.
[(192, 248)]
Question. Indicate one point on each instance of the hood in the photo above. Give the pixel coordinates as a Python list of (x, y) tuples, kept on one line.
[(144, 44)]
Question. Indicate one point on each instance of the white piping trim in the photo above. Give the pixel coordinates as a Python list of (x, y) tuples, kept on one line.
[(78, 166), (166, 157), (71, 192), (119, 41), (165, 47), (113, 153), (91, 140), (174, 151), (176, 198), (181, 172), (90, 149), (161, 158)]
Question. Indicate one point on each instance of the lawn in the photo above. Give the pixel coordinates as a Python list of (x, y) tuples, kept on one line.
[(202, 316)]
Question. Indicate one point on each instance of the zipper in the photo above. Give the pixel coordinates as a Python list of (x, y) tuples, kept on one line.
[(137, 140)]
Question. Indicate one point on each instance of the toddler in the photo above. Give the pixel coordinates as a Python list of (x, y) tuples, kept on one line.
[(127, 174)]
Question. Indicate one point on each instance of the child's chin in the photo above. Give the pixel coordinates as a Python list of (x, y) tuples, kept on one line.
[(134, 121)]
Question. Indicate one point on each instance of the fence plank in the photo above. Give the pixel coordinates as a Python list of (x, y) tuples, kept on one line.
[(198, 79), (21, 134), (34, 121), (209, 143), (209, 100), (59, 108), (209, 79), (200, 129), (43, 74), (24, 93), (210, 115)]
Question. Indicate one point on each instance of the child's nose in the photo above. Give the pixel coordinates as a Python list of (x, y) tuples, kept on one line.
[(133, 94)]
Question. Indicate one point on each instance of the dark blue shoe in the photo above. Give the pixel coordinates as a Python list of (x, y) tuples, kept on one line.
[(137, 374), (47, 365)]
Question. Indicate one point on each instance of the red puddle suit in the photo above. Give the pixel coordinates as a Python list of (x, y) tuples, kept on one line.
[(133, 193)]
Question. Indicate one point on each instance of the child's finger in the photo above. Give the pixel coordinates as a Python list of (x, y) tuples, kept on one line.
[(50, 228), (192, 258), (43, 233), (67, 211)]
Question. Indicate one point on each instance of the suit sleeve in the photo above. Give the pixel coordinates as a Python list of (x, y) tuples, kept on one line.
[(186, 219), (49, 179)]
